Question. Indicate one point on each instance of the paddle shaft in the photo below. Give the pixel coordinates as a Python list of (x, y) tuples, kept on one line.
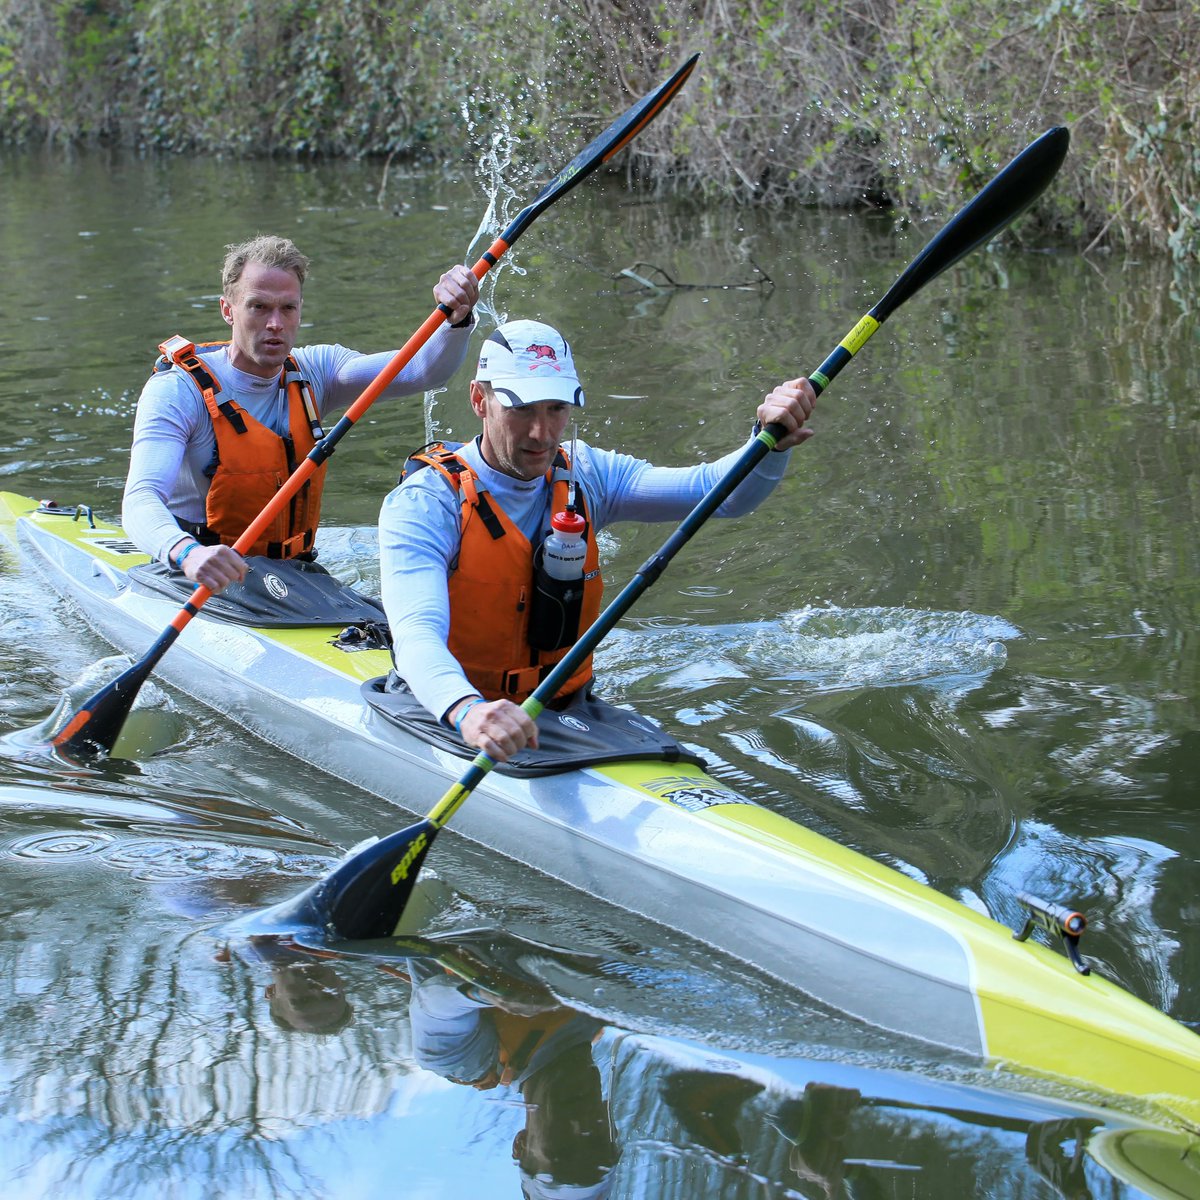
[(366, 895), (1008, 195), (97, 724)]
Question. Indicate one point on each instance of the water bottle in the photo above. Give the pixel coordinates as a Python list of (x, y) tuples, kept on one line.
[(564, 550), (557, 602)]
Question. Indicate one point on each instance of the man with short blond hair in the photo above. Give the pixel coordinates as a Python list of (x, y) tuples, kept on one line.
[(220, 426)]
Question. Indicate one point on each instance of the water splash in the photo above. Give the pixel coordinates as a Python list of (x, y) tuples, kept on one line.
[(350, 553), (827, 648), (493, 168), (151, 727), (503, 182)]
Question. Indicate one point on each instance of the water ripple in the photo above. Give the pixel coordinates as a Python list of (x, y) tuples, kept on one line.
[(61, 847), (152, 859)]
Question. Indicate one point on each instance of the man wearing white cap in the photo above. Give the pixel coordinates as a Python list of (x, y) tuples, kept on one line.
[(458, 543)]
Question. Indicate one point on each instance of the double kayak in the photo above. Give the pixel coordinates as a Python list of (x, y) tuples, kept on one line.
[(656, 834)]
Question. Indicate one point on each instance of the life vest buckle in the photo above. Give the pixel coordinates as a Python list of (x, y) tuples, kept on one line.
[(522, 680), (177, 347)]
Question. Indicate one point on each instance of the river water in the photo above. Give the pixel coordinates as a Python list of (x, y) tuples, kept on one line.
[(960, 638)]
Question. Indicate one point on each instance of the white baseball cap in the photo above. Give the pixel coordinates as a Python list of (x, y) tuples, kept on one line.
[(528, 361)]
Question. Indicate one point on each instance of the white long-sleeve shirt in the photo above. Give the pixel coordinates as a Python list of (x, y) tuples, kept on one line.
[(420, 534), (173, 439)]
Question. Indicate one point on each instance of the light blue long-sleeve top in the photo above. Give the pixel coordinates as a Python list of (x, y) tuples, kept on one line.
[(173, 439), (420, 534)]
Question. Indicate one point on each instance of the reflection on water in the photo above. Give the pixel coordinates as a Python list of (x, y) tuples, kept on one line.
[(622, 1062), (315, 1056), (619, 1061)]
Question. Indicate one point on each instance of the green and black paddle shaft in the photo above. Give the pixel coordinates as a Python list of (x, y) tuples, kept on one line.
[(365, 896), (93, 730)]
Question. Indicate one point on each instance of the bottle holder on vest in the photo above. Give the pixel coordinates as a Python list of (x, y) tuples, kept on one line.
[(555, 609)]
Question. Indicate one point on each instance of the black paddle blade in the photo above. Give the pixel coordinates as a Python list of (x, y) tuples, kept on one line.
[(603, 147), (366, 895), (93, 731), (1000, 203), (996, 206)]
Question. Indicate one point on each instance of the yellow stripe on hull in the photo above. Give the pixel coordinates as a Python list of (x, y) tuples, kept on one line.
[(1036, 1013), (109, 544), (106, 542)]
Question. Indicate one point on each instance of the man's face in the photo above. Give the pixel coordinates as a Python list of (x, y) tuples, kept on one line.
[(264, 314), (520, 442)]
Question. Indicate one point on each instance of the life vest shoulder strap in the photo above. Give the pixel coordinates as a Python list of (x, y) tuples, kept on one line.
[(441, 455), (444, 458), (293, 376), (177, 351)]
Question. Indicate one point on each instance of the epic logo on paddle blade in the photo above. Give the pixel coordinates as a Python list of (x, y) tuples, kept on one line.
[(411, 855)]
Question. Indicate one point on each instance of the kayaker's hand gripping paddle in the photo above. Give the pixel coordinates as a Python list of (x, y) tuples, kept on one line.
[(366, 895), (94, 729)]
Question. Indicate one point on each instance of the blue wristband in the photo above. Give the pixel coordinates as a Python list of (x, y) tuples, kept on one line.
[(462, 712), (179, 560)]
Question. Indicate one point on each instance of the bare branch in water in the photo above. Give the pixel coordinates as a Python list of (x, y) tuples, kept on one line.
[(657, 279)]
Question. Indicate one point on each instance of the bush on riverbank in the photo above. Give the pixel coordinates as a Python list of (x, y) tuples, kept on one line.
[(795, 101)]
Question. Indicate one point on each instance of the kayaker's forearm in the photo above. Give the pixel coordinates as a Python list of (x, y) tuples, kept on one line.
[(638, 491), (418, 537), (431, 671), (153, 467), (418, 614), (431, 367), (755, 488)]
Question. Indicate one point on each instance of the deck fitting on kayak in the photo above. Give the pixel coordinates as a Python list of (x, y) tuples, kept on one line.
[(74, 511), (1062, 923), (375, 636)]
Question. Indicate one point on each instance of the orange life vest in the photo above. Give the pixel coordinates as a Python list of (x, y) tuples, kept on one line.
[(253, 462), (519, 1038), (491, 584)]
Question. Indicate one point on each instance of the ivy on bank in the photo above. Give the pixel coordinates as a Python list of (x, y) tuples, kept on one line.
[(796, 101)]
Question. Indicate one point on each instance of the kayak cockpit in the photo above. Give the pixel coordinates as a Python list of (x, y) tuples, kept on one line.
[(585, 731)]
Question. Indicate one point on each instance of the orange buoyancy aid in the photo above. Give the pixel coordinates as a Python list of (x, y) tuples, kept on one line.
[(253, 462), (518, 1039), (491, 586)]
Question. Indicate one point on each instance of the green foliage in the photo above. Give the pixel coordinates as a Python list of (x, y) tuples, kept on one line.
[(796, 101), (60, 66)]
